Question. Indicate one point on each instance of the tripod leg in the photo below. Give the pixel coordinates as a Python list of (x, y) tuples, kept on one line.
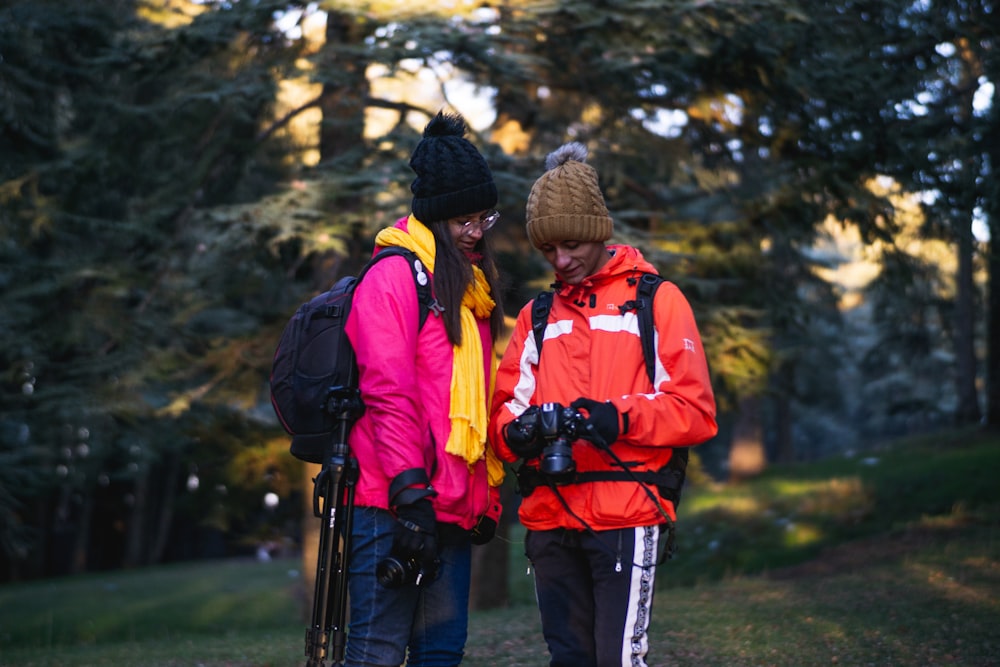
[(337, 607), (335, 484), (317, 636), (330, 597)]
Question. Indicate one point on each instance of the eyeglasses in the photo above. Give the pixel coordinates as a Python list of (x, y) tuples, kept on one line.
[(487, 221)]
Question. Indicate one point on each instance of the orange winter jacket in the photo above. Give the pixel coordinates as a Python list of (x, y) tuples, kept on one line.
[(592, 350)]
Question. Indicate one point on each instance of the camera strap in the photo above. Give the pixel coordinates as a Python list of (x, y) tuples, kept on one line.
[(668, 551), (530, 478), (666, 482)]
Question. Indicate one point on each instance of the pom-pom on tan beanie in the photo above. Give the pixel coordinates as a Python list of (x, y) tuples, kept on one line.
[(566, 203)]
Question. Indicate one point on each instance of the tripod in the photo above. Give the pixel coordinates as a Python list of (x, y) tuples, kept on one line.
[(336, 485)]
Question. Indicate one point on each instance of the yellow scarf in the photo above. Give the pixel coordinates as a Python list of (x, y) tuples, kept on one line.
[(468, 411)]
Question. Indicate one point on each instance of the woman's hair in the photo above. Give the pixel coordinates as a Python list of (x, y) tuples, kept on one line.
[(453, 273)]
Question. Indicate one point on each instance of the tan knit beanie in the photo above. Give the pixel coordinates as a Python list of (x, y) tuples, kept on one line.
[(566, 203)]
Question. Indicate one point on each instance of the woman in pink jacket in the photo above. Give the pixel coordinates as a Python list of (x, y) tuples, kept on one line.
[(427, 490)]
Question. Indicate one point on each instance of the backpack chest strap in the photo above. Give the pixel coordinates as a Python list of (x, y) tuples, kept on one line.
[(668, 480)]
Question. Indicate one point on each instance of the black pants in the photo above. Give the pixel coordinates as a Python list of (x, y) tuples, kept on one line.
[(595, 593)]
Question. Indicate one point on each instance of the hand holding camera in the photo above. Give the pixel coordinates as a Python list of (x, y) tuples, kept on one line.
[(484, 531), (522, 434), (601, 424), (414, 556), (547, 431)]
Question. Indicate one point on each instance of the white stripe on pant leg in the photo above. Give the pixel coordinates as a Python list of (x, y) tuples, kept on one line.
[(635, 642)]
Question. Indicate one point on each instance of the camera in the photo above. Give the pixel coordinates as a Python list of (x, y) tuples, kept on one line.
[(559, 427), (394, 572)]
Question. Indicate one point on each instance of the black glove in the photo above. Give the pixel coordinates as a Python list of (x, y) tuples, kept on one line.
[(522, 434), (415, 536), (601, 425), (484, 530)]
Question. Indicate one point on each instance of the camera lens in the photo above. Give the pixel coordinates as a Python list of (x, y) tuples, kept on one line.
[(557, 460), (392, 572)]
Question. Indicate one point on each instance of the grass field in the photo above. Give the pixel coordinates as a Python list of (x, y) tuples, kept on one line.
[(891, 559)]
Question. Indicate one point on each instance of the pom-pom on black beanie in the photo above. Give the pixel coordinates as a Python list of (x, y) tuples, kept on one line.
[(453, 179)]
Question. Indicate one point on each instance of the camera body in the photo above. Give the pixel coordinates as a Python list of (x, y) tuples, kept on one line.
[(558, 426), (395, 572)]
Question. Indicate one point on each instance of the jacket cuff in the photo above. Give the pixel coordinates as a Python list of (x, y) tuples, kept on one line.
[(410, 486)]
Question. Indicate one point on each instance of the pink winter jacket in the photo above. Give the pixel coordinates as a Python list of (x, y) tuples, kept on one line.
[(405, 377)]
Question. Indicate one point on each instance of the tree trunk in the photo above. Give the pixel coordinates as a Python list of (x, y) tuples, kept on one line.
[(81, 545), (341, 134), (784, 450), (784, 445), (168, 496), (491, 562), (310, 541), (992, 210), (993, 322), (965, 348), (489, 572), (965, 312), (135, 538), (747, 457), (343, 104)]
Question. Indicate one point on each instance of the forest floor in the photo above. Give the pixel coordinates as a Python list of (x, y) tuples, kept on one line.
[(923, 595), (891, 560)]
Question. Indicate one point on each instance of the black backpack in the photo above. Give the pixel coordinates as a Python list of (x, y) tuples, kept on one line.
[(670, 480), (315, 361)]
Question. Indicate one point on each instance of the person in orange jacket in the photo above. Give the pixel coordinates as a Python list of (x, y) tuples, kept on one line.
[(594, 430)]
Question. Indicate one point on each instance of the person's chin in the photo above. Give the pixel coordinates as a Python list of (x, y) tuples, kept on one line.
[(571, 279)]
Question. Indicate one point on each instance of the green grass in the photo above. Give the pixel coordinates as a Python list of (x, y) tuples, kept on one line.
[(794, 512), (205, 613), (888, 559), (929, 596)]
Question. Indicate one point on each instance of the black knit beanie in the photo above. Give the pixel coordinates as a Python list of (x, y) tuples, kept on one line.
[(453, 179)]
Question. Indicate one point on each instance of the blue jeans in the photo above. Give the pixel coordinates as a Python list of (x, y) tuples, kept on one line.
[(431, 619)]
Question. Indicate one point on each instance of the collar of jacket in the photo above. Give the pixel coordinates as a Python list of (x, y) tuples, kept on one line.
[(626, 261)]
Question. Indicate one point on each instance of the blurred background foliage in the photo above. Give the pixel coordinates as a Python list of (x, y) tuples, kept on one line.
[(177, 176)]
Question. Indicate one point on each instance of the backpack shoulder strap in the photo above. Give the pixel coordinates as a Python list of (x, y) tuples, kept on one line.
[(421, 279), (644, 292), (539, 317)]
